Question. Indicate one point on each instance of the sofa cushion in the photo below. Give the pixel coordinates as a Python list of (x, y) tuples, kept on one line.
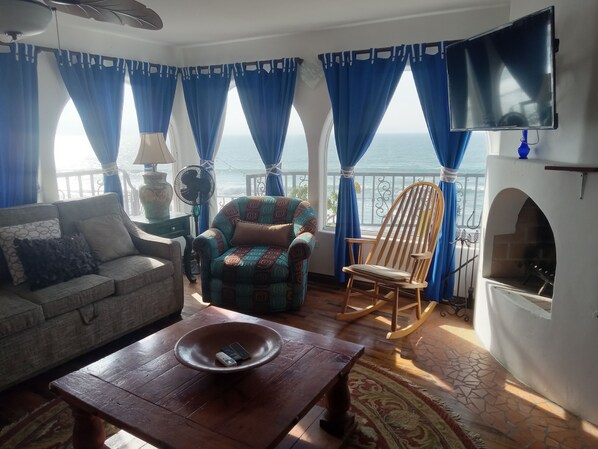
[(133, 272), (107, 237), (50, 261), (70, 295), (261, 234), (17, 314), (10, 216), (252, 265), (44, 229)]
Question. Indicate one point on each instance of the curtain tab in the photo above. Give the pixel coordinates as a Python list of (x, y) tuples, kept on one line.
[(110, 169), (274, 169), (348, 172), (206, 164), (448, 175)]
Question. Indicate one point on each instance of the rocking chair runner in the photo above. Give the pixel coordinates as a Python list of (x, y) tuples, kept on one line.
[(399, 258)]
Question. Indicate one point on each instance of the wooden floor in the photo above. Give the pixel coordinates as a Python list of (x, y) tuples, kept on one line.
[(443, 356)]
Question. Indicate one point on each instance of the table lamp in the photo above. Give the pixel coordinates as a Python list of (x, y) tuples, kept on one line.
[(156, 194)]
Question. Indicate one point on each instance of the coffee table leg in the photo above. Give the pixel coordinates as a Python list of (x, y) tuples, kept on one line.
[(338, 421), (88, 432)]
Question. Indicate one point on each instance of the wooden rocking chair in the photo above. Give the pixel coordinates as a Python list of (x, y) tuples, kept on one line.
[(399, 258)]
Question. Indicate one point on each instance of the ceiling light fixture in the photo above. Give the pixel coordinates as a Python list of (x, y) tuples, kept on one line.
[(21, 18)]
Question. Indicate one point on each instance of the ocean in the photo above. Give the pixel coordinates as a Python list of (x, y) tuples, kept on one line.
[(238, 157), (389, 153)]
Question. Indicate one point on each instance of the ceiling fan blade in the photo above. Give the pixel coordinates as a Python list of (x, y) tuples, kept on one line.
[(121, 12)]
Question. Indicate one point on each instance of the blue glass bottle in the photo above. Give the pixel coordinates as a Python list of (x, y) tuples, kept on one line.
[(523, 149)]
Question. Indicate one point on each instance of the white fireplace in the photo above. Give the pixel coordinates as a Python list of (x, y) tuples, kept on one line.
[(553, 349), (546, 341)]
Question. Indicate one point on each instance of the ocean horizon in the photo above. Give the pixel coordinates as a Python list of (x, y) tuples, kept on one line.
[(237, 157)]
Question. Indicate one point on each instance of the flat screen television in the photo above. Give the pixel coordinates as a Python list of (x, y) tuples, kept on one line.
[(505, 79)]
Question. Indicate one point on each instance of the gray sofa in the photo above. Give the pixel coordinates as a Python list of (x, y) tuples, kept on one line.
[(49, 325)]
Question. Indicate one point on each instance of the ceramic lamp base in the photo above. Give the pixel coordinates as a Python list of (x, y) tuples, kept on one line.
[(155, 195)]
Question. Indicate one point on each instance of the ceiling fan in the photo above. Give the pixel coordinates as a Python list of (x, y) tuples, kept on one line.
[(19, 18)]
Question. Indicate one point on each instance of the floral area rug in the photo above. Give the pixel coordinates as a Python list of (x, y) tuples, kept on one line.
[(393, 413), (390, 413)]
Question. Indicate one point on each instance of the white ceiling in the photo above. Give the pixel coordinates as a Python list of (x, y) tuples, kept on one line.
[(193, 22)]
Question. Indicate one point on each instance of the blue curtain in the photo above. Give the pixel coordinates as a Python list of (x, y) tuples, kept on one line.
[(266, 90), (429, 73), (206, 90), (19, 126), (360, 88), (153, 87), (96, 85)]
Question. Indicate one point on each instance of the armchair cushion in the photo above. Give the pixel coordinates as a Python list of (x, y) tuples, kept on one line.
[(257, 234), (252, 265)]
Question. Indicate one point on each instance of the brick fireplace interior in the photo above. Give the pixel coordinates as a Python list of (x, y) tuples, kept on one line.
[(526, 259)]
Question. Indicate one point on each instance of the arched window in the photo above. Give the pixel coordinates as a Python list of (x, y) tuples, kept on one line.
[(400, 154), (239, 169), (78, 171)]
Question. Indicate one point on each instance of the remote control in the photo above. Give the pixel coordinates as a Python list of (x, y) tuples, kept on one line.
[(225, 359), (236, 346), (236, 351), (232, 353)]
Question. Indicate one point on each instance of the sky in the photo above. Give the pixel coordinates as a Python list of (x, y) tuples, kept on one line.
[(404, 115)]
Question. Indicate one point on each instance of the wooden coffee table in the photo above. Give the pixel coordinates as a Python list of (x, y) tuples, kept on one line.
[(144, 390)]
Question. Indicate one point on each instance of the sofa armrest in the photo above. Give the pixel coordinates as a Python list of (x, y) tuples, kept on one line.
[(210, 244), (301, 247), (153, 245)]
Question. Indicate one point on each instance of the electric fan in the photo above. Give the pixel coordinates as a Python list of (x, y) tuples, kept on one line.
[(194, 185)]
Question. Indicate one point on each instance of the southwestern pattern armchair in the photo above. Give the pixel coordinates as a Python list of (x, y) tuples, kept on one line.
[(255, 255)]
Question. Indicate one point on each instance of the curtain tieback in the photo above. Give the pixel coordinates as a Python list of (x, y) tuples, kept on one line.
[(110, 169), (274, 169), (206, 164), (448, 174), (348, 172)]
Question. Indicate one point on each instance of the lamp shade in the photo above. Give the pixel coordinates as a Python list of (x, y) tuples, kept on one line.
[(23, 18), (153, 150)]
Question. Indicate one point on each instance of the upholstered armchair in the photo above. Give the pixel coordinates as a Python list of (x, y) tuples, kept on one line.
[(255, 255)]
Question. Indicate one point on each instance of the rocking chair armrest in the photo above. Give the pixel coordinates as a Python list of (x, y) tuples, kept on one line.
[(357, 258), (358, 241), (422, 256)]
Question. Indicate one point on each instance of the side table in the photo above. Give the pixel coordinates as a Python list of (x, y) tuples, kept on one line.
[(176, 225)]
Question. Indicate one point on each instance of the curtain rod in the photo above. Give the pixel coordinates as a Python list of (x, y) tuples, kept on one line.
[(383, 49), (42, 49)]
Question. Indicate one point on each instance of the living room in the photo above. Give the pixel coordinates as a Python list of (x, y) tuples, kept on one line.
[(576, 69)]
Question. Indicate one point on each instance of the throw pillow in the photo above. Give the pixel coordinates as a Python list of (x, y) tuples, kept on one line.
[(107, 237), (50, 261), (260, 234), (45, 229)]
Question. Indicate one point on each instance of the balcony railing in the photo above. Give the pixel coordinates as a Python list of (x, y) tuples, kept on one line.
[(86, 183), (376, 192)]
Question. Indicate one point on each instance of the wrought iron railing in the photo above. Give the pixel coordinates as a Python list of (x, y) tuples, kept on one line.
[(86, 183), (376, 192)]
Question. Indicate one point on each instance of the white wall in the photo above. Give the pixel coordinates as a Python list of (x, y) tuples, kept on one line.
[(553, 353)]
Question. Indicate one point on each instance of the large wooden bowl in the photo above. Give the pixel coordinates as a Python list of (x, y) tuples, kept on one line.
[(197, 349)]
